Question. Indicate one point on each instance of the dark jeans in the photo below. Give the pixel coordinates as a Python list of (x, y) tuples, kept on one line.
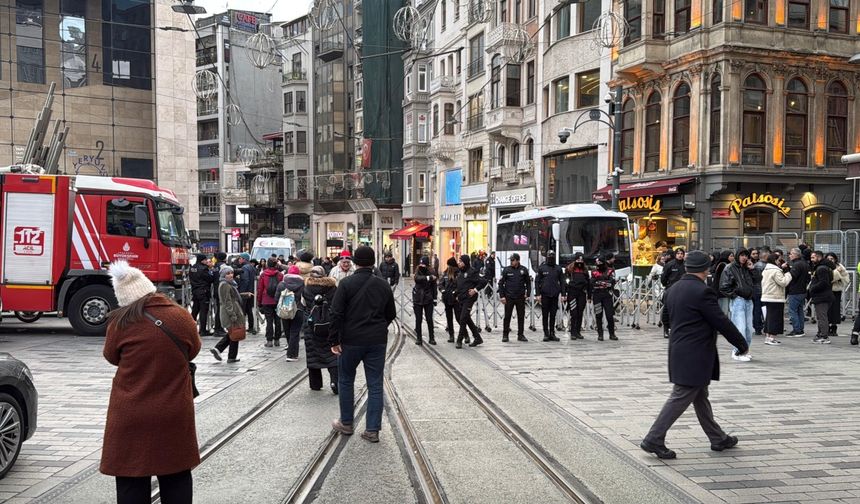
[(427, 311), (373, 357), (449, 318), (577, 310), (603, 305), (292, 330), (758, 319), (315, 377), (678, 402), (224, 343), (273, 323), (464, 316), (548, 308), (200, 313), (520, 305), (248, 308), (795, 311), (174, 489)]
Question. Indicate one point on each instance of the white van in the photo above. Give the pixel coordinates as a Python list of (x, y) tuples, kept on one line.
[(265, 246)]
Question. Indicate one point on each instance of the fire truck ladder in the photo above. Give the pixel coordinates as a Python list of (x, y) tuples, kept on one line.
[(38, 155)]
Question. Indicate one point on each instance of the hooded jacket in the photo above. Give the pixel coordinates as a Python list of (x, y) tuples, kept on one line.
[(773, 283), (317, 353), (821, 286), (268, 275), (424, 291), (390, 272), (672, 272)]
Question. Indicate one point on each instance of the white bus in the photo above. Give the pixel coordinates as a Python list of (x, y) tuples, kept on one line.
[(265, 246), (568, 229)]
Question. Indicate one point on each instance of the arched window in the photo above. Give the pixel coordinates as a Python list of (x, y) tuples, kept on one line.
[(681, 127), (758, 221), (496, 82), (515, 154), (818, 220), (796, 110), (715, 120), (500, 158), (530, 149), (754, 122), (628, 127), (837, 123), (652, 132)]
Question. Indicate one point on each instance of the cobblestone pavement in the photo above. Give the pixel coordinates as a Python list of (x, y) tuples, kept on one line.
[(794, 408), (73, 381)]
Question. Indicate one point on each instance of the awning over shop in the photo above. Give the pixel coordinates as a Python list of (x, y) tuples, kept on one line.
[(648, 188), (412, 231)]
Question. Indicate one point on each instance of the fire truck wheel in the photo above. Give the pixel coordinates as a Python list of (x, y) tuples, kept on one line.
[(28, 316), (88, 309)]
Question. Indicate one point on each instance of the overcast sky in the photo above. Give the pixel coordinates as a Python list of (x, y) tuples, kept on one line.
[(283, 10)]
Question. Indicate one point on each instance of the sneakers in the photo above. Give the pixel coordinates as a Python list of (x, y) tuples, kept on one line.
[(522, 338), (269, 344), (505, 338), (277, 342), (741, 358), (232, 361), (822, 340), (292, 359), (725, 444), (770, 340), (216, 353), (333, 387), (345, 429), (854, 337), (793, 334), (370, 436)]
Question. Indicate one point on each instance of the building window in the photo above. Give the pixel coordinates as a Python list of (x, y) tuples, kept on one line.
[(798, 14), (818, 220), (73, 40), (587, 88), (512, 85), (755, 11), (562, 89), (682, 16), (754, 122), (127, 40), (588, 14), (652, 132), (758, 221), (518, 11), (503, 11), (839, 16), (500, 156), (422, 78), (29, 41), (407, 193), (436, 120), (301, 102), (457, 117), (120, 217), (681, 127), (443, 14), (515, 154), (628, 127), (633, 15), (658, 19), (562, 23), (449, 119), (301, 142), (422, 188), (532, 8), (476, 112), (456, 6), (288, 142), (476, 165), (530, 83), (796, 110), (407, 82), (717, 11), (359, 90), (422, 128), (288, 103), (530, 149), (496, 82), (715, 120), (476, 55), (837, 123)]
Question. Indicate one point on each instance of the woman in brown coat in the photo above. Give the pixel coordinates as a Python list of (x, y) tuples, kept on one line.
[(150, 428)]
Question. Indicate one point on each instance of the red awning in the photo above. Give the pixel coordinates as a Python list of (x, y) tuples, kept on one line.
[(278, 135), (419, 230), (647, 188)]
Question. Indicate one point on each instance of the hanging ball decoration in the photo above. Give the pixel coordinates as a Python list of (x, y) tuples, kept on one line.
[(233, 114), (610, 30), (480, 11), (261, 50), (249, 155), (410, 25), (519, 47), (322, 14), (205, 84)]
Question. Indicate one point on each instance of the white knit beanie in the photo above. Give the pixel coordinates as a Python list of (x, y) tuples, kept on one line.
[(129, 283)]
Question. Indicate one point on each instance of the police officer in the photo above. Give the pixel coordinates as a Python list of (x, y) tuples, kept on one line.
[(549, 283), (469, 282), (602, 288), (514, 286), (577, 291), (202, 278), (424, 298), (448, 286)]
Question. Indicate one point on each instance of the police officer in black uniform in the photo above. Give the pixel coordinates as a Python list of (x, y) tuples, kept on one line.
[(202, 278), (514, 286), (548, 285), (469, 282), (424, 298), (577, 292)]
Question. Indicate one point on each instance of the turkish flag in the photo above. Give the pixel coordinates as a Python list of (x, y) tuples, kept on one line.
[(366, 148)]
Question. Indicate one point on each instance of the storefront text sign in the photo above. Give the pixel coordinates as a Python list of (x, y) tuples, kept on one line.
[(721, 213), (512, 198), (739, 204), (474, 210), (648, 204), (450, 219), (386, 220)]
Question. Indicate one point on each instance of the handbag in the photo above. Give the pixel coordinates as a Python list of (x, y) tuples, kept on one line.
[(237, 333), (192, 367)]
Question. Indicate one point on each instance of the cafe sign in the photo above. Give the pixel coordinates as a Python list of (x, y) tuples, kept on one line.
[(648, 204), (740, 204)]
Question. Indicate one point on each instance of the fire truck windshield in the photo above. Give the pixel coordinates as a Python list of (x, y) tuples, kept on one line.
[(171, 228)]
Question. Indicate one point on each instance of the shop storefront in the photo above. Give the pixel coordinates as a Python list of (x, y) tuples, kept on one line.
[(335, 234), (508, 202), (417, 239), (450, 232), (477, 228)]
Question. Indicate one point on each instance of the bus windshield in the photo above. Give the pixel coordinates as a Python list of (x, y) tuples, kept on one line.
[(171, 228), (594, 236)]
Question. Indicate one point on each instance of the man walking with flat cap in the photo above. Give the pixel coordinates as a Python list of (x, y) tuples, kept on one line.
[(695, 318)]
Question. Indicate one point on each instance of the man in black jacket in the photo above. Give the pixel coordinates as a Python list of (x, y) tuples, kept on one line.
[(362, 309), (548, 286), (693, 360), (821, 294), (424, 298), (796, 292), (389, 270), (672, 272), (202, 278), (514, 286), (737, 284), (469, 282)]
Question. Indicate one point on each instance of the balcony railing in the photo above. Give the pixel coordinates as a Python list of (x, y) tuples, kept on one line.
[(496, 172), (445, 84), (209, 185), (210, 210), (509, 174), (295, 76), (204, 109), (476, 67), (504, 34), (475, 122), (526, 166), (265, 199), (297, 190)]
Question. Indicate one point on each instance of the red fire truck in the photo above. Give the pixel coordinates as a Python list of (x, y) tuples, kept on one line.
[(60, 233)]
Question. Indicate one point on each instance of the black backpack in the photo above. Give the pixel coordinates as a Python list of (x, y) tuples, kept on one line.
[(272, 286), (319, 320)]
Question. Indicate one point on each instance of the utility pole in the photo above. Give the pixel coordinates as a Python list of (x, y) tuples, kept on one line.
[(616, 148)]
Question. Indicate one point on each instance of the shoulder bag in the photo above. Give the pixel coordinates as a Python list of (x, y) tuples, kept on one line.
[(192, 367)]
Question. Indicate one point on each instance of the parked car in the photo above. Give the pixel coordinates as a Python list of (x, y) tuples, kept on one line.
[(18, 408)]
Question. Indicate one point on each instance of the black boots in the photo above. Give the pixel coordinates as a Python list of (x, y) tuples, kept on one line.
[(431, 339), (505, 338), (854, 337), (459, 342), (552, 336), (476, 340), (612, 335)]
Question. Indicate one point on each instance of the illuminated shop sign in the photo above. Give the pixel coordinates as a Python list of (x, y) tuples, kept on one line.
[(740, 204), (648, 204)]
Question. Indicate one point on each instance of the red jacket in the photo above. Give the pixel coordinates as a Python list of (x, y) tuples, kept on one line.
[(263, 297)]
